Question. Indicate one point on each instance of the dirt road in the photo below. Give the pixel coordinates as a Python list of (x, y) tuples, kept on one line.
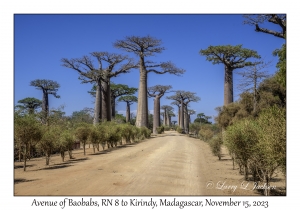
[(171, 164)]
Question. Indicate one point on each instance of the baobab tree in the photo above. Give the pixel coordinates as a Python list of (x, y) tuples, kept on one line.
[(129, 99), (157, 92), (177, 103), (48, 87), (144, 47), (233, 57), (167, 109), (100, 76), (29, 104), (116, 90), (184, 98), (277, 19)]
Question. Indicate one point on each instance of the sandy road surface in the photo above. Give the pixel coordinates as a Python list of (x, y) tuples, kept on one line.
[(171, 164)]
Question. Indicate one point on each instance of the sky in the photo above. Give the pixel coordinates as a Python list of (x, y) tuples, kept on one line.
[(42, 40)]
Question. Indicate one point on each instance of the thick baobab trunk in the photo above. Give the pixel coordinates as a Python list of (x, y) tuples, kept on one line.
[(156, 114), (228, 86), (167, 117), (113, 107), (182, 116), (45, 106), (106, 101), (97, 110), (186, 120), (178, 116), (127, 111), (142, 107)]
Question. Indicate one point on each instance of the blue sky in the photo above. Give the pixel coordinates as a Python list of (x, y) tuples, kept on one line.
[(40, 41)]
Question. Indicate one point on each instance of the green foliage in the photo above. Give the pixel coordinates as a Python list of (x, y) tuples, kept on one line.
[(127, 132), (167, 128), (260, 143), (271, 152), (215, 144), (241, 138), (48, 142), (66, 142), (82, 116), (82, 133), (119, 118), (160, 129), (206, 132), (29, 104), (230, 55), (281, 65), (195, 128), (27, 131), (179, 130)]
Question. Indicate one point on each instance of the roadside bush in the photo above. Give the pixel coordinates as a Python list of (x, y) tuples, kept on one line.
[(48, 142), (215, 144), (26, 132), (160, 129), (127, 132), (145, 132), (179, 130), (195, 128), (167, 128), (206, 132), (82, 133), (270, 152), (241, 139)]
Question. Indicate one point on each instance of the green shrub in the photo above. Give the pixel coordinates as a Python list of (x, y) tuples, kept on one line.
[(179, 130), (160, 129), (215, 144), (167, 128), (145, 132)]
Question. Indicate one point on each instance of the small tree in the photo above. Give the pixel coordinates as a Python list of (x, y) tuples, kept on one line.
[(82, 133), (66, 141), (26, 130), (48, 142), (215, 144)]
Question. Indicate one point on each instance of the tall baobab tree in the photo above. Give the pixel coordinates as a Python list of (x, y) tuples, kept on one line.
[(177, 103), (233, 57), (184, 98), (129, 99), (157, 92), (100, 76), (277, 19), (29, 104), (167, 109), (48, 87), (144, 47), (116, 90)]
